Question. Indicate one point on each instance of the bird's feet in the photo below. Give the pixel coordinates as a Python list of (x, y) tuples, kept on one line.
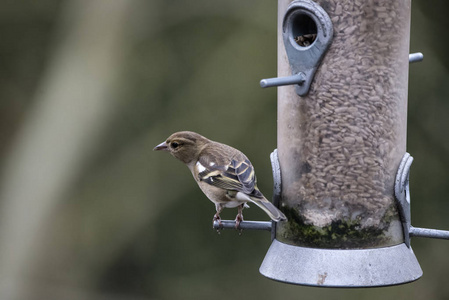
[(218, 220), (238, 220)]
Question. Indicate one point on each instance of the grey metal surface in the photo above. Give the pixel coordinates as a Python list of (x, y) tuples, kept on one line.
[(244, 225), (276, 168), (428, 233), (277, 185), (279, 81), (415, 57), (340, 268), (304, 60), (402, 193)]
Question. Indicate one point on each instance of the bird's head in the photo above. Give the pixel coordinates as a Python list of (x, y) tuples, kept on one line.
[(184, 145)]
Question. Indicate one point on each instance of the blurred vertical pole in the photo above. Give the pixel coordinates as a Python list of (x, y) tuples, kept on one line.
[(71, 112)]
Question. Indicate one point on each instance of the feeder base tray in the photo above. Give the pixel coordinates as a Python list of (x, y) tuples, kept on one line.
[(340, 268)]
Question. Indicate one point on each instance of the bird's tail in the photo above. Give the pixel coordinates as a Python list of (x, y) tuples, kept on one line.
[(272, 211)]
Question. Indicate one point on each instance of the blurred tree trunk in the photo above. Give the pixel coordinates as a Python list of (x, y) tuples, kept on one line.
[(70, 114)]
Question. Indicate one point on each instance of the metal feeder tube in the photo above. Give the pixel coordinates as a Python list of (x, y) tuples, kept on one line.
[(340, 144)]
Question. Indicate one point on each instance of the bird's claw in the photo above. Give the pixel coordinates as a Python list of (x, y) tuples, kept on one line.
[(238, 220), (220, 225)]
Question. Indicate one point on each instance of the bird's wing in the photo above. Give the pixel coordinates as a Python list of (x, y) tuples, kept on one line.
[(238, 175)]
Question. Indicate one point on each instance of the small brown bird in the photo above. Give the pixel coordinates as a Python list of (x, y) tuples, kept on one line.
[(224, 174)]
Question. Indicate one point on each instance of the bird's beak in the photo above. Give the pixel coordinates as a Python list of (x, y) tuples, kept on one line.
[(162, 146)]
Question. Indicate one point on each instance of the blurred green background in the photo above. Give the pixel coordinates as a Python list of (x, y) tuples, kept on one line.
[(88, 88)]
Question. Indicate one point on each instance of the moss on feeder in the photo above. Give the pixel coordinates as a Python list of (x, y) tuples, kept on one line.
[(341, 234)]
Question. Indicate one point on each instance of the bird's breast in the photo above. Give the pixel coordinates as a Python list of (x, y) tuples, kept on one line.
[(215, 194), (219, 195)]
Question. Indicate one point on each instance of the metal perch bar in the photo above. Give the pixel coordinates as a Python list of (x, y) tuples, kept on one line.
[(415, 57), (266, 225), (300, 78), (288, 80), (245, 225), (428, 233)]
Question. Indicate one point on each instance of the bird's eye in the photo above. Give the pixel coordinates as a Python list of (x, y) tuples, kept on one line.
[(174, 145)]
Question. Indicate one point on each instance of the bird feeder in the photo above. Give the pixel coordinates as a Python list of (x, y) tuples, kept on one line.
[(341, 169)]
